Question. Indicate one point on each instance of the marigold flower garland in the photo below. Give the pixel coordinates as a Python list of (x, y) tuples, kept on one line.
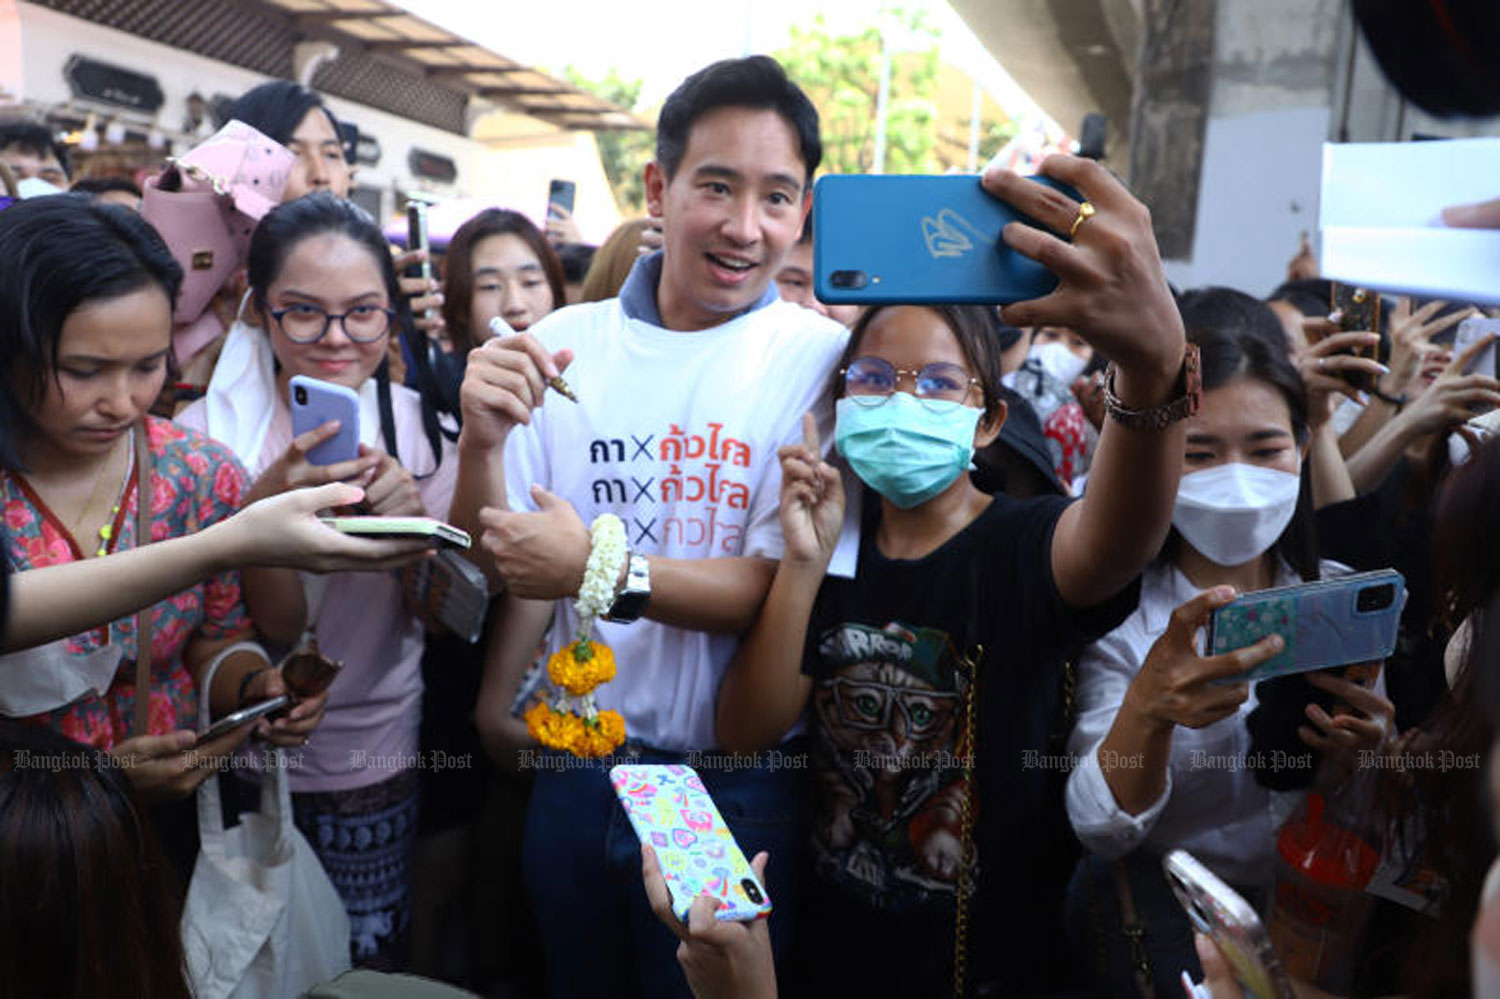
[(573, 723)]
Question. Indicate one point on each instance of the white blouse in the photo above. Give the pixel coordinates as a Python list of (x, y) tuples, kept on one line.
[(1211, 805)]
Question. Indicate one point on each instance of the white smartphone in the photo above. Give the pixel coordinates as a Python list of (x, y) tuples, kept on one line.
[(314, 403), (428, 529), (234, 720), (1218, 911)]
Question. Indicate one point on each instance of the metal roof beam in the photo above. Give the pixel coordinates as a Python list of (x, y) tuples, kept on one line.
[(399, 46), (559, 109), (448, 72), (323, 18), (524, 91)]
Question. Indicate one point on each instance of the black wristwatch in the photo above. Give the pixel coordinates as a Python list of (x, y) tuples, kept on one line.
[(630, 602)]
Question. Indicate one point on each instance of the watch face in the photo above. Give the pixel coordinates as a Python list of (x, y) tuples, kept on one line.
[(628, 606), (630, 603)]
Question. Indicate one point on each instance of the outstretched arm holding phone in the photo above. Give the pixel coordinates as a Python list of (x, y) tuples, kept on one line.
[(1113, 293), (60, 600)]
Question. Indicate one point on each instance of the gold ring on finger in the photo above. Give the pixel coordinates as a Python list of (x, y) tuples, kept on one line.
[(1085, 212)]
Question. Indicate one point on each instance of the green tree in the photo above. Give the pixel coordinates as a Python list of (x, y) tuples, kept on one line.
[(841, 74), (623, 154)]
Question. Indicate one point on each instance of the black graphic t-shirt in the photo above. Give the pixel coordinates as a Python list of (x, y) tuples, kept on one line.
[(891, 654)]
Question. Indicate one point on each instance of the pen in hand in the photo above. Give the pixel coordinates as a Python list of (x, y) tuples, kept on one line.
[(500, 327)]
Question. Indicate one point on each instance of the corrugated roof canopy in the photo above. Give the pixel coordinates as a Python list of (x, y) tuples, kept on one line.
[(388, 58)]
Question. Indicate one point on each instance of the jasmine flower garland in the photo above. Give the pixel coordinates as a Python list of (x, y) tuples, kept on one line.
[(573, 723)]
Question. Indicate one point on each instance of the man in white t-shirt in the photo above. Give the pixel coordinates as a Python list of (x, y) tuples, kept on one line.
[(687, 384)]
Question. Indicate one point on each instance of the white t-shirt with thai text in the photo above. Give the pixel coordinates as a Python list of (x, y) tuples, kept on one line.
[(676, 433)]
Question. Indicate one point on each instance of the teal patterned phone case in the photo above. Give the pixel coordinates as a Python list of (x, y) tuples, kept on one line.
[(1331, 622), (670, 810)]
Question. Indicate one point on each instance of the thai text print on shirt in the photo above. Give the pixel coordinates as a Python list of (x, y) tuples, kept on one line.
[(684, 491)]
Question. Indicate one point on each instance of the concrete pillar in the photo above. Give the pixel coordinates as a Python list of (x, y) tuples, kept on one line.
[(1170, 106), (1266, 113)]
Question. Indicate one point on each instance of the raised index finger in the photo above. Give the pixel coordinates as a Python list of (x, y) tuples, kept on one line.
[(810, 437)]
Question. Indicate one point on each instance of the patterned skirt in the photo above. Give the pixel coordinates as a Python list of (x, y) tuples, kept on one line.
[(365, 839)]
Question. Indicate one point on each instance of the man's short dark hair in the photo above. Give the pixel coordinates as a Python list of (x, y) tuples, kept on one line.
[(756, 82), (95, 186), (29, 137)]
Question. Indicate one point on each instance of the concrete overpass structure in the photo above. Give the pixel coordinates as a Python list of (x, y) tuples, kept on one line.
[(1218, 110)]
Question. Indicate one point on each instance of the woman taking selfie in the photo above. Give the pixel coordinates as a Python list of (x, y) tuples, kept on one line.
[(1149, 705)]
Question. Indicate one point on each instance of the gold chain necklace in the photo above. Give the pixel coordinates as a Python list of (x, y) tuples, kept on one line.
[(107, 530)]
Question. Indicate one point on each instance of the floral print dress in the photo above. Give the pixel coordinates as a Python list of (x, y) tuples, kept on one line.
[(195, 482)]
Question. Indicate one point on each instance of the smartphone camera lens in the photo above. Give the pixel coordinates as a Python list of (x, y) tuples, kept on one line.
[(1375, 598), (848, 280), (752, 890), (301, 395)]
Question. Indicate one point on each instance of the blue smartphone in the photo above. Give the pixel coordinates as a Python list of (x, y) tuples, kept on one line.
[(919, 239), (1330, 622), (314, 403)]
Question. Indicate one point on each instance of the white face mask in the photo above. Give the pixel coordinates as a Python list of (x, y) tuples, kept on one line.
[(1058, 361), (1233, 513), (36, 187)]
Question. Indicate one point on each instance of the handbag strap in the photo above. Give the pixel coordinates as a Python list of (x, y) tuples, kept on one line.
[(210, 812), (1135, 932), (967, 746), (142, 616)]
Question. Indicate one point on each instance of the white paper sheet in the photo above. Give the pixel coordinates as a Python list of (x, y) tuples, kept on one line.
[(1381, 217)]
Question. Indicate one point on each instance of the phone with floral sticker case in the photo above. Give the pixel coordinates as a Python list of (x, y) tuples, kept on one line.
[(672, 812), (1329, 622)]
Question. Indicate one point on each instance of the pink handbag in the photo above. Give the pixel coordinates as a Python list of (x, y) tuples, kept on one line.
[(206, 204)]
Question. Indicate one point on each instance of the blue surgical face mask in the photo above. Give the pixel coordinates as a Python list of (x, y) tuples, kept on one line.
[(906, 449)]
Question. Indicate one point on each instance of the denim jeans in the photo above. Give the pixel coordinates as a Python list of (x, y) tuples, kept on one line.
[(582, 868)]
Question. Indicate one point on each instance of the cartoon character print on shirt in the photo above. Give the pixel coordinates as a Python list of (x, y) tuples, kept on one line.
[(682, 490), (890, 703)]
